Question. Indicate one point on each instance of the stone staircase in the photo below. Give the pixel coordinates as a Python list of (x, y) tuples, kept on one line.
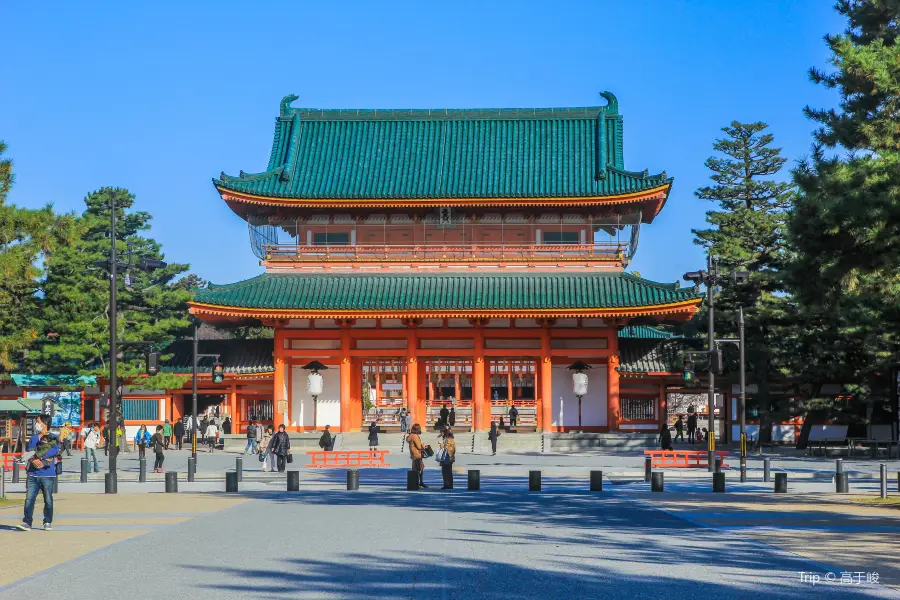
[(605, 442)]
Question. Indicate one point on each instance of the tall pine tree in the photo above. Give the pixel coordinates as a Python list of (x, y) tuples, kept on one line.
[(28, 238), (747, 232), (846, 227), (152, 306)]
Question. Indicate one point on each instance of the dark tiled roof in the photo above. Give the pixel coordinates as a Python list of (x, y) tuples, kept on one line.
[(438, 154), (240, 357), (436, 292), (650, 356), (644, 332)]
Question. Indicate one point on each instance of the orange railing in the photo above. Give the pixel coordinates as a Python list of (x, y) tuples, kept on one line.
[(346, 458), (439, 253), (684, 459)]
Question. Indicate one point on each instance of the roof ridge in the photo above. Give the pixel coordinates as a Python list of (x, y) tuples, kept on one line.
[(469, 114)]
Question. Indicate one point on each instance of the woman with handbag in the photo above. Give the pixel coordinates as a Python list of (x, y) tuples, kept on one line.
[(493, 434), (265, 457), (280, 446), (449, 448), (373, 436), (416, 449)]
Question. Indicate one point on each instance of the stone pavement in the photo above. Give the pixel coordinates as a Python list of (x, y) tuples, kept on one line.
[(502, 542), (84, 524)]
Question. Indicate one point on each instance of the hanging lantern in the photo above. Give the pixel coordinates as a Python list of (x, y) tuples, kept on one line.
[(314, 380), (579, 378), (314, 384)]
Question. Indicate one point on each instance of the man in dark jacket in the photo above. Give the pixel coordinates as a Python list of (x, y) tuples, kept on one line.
[(513, 416), (691, 427), (280, 446), (444, 415), (326, 442), (179, 432)]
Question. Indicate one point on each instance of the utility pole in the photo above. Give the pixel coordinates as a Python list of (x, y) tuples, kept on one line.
[(112, 422), (711, 301), (742, 409), (194, 395)]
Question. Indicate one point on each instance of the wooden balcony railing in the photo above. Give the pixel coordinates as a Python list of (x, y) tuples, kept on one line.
[(612, 252)]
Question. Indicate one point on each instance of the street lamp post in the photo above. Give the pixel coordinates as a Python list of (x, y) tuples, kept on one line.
[(196, 357)]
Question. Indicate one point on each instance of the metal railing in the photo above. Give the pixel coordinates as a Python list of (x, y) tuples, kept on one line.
[(440, 253)]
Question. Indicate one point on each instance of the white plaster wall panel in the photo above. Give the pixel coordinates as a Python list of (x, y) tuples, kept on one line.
[(593, 405)]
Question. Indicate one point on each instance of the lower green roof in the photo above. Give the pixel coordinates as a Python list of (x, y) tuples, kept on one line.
[(443, 292), (31, 380)]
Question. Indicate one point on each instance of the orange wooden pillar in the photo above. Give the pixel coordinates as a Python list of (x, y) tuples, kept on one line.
[(478, 388), (546, 379), (661, 410), (279, 399), (412, 391), (346, 377), (612, 392)]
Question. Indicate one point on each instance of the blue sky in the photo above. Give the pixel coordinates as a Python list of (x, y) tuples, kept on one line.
[(160, 97)]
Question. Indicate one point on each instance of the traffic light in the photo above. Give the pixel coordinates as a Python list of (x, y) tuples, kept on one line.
[(688, 375), (152, 363), (218, 372)]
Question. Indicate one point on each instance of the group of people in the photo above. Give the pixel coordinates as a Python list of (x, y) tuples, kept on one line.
[(418, 452), (272, 447), (694, 433)]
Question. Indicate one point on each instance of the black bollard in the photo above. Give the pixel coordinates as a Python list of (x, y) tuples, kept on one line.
[(231, 482), (780, 483), (171, 482), (84, 469), (353, 479), (883, 479), (111, 483), (767, 466), (412, 480), (15, 475), (839, 466), (718, 466), (534, 481), (192, 469), (657, 481), (293, 481), (475, 480), (648, 468), (239, 467), (142, 475), (842, 483), (743, 469), (719, 482), (596, 481), (898, 481)]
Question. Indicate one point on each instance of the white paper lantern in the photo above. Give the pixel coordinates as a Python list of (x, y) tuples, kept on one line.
[(579, 384), (314, 384)]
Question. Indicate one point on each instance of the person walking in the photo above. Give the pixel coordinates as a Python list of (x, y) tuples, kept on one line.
[(158, 444), (679, 429), (268, 457), (280, 445), (106, 438), (449, 445), (493, 434), (451, 418), (414, 441), (251, 439), (226, 426), (444, 415), (91, 441), (373, 436), (167, 433), (404, 417), (41, 473), (513, 416), (178, 430), (211, 433), (691, 427), (326, 442), (121, 441), (141, 439), (665, 438), (66, 435)]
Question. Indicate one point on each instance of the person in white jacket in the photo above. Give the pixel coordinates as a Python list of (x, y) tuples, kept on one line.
[(91, 441), (210, 434)]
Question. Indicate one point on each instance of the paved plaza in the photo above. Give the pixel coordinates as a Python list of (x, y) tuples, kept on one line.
[(500, 542)]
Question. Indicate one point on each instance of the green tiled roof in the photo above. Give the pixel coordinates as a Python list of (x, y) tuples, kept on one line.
[(644, 332), (30, 380), (240, 357), (431, 154), (650, 356), (443, 292)]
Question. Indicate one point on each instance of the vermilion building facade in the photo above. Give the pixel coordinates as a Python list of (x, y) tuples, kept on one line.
[(459, 258)]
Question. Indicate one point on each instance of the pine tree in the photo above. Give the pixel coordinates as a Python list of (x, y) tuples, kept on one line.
[(27, 239), (846, 227), (748, 233), (152, 306)]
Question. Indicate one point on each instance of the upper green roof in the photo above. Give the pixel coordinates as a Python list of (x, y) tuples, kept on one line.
[(31, 380), (437, 154), (443, 292)]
